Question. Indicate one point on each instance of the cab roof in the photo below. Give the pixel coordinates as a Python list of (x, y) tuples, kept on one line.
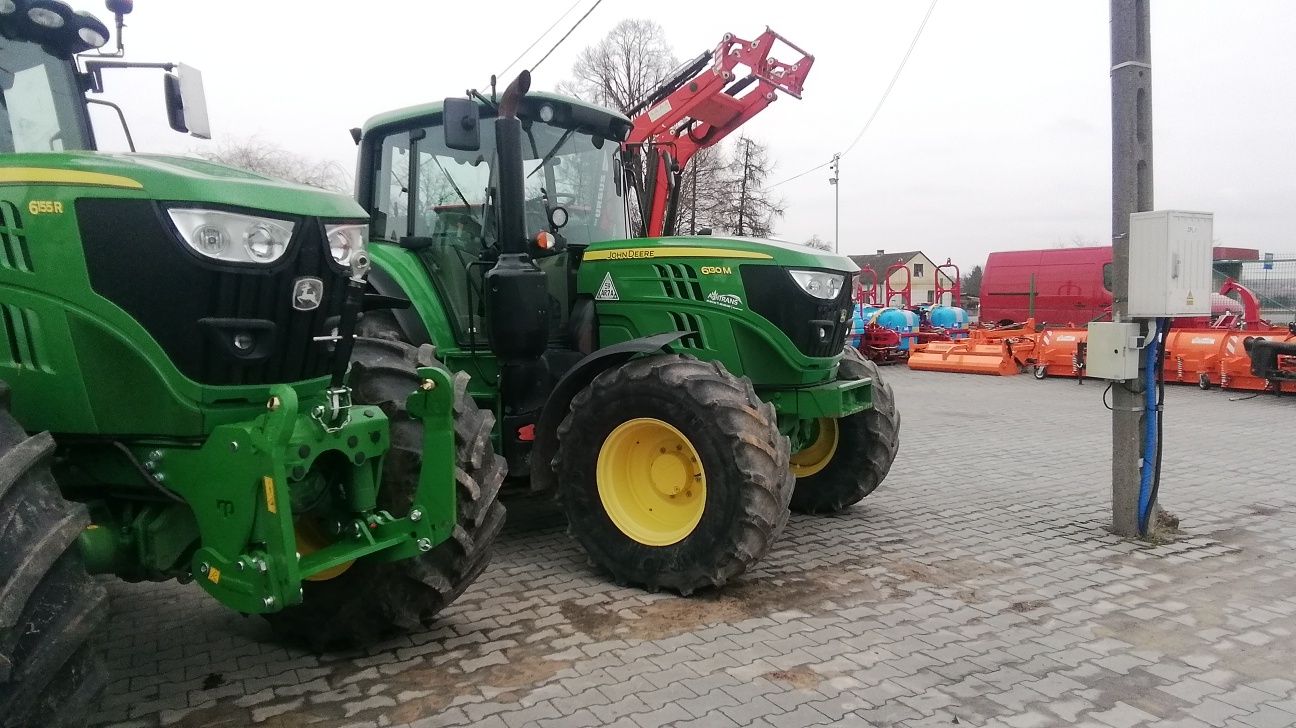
[(589, 117)]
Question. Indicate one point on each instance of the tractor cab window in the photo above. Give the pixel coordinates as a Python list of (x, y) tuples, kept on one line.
[(424, 190), (41, 107)]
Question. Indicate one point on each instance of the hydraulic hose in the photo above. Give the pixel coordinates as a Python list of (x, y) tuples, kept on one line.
[(1151, 428)]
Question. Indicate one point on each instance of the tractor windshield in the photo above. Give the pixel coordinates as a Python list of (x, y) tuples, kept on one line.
[(41, 107), (564, 168), (442, 195)]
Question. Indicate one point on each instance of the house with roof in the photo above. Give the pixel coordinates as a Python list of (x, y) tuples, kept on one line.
[(922, 272)]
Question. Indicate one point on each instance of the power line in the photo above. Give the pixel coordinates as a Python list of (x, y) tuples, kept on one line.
[(894, 78), (798, 176), (539, 38), (569, 32)]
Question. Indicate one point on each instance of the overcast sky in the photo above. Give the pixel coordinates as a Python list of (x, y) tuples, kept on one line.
[(996, 137)]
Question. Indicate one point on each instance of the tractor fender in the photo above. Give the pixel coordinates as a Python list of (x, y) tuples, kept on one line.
[(408, 318), (576, 379)]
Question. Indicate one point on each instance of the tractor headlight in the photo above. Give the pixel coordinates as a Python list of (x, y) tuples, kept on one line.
[(819, 284), (345, 241), (232, 237)]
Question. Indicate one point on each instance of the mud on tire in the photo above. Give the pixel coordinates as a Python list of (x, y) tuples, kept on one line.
[(373, 600)]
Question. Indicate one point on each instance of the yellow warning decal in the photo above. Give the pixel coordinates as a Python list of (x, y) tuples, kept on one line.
[(41, 175), (213, 575), (271, 505), (663, 252)]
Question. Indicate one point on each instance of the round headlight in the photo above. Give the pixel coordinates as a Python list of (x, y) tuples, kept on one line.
[(210, 240), (92, 37), (46, 18), (546, 113), (262, 242), (341, 246), (346, 242)]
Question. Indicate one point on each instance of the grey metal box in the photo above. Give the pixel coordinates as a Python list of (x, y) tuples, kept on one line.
[(1170, 264), (1112, 350)]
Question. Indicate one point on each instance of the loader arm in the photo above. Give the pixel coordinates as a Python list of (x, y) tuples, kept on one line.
[(697, 107)]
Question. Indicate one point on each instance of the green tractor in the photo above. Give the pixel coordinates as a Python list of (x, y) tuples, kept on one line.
[(679, 394), (179, 398)]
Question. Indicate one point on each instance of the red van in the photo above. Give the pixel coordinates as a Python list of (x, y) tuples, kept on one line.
[(1071, 286)]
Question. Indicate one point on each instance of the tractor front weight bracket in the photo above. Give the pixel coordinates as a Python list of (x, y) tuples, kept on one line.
[(831, 400), (240, 484), (435, 499)]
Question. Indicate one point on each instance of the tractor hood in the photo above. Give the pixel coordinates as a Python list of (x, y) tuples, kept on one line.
[(777, 252), (174, 178)]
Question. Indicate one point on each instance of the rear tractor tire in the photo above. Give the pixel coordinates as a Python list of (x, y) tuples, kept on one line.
[(850, 456), (50, 608), (672, 473), (369, 601)]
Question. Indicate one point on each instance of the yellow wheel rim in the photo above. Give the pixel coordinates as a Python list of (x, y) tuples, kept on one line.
[(311, 538), (816, 456), (651, 481)]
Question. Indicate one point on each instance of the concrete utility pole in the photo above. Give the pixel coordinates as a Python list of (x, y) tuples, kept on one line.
[(1131, 109), (836, 169)]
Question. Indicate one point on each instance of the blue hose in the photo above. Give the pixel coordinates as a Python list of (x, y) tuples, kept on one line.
[(1150, 416)]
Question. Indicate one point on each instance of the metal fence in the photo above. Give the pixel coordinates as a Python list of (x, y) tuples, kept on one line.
[(1272, 280)]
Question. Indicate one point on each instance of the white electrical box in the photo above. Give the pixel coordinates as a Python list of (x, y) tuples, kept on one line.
[(1170, 264), (1112, 350)]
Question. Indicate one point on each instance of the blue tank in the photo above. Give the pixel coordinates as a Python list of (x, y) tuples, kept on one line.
[(859, 320), (950, 318), (901, 321)]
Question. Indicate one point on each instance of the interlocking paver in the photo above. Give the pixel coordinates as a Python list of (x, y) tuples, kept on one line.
[(961, 589)]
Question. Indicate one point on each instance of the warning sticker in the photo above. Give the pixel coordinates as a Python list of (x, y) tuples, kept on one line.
[(271, 504), (213, 575), (607, 290), (1189, 300)]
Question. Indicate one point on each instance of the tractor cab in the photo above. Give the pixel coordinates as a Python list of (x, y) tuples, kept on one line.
[(44, 80), (428, 196), (41, 105)]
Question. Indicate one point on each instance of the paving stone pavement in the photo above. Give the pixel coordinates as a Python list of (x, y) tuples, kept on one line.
[(977, 586)]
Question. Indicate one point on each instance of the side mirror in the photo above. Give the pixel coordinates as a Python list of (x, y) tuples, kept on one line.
[(186, 101), (459, 122)]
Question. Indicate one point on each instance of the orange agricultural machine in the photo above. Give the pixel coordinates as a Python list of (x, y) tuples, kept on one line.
[(1001, 352), (1226, 355)]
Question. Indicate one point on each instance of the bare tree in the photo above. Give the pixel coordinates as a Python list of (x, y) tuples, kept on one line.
[(702, 192), (818, 243), (971, 285), (621, 69), (257, 155), (750, 208)]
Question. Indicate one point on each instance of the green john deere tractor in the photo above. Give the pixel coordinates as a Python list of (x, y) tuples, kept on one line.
[(177, 403), (678, 393)]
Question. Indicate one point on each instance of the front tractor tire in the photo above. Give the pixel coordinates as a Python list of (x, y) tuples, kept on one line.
[(672, 473), (368, 601), (850, 456), (50, 608)]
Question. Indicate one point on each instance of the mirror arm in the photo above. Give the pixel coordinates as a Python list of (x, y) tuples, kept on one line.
[(96, 69)]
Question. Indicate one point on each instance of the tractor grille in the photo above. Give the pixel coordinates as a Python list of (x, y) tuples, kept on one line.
[(194, 307), (679, 281), (694, 338), (19, 336), (14, 253), (815, 326)]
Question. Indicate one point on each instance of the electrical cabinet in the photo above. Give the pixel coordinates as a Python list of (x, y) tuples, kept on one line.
[(1112, 351), (1170, 264)]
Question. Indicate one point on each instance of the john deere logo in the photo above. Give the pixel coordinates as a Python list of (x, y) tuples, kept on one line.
[(307, 293)]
